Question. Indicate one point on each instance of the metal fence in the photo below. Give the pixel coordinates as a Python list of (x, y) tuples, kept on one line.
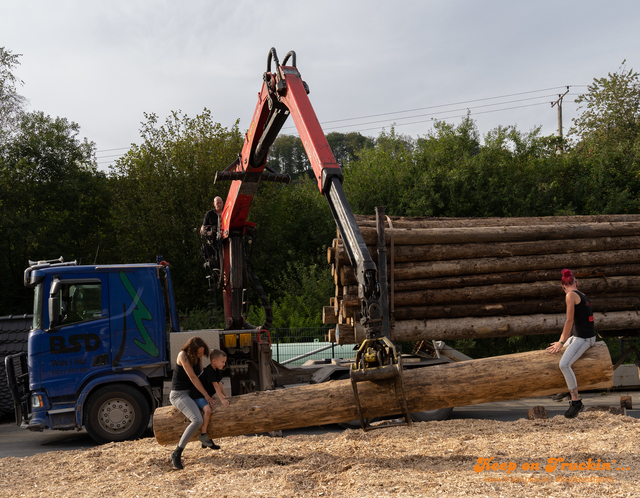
[(298, 345)]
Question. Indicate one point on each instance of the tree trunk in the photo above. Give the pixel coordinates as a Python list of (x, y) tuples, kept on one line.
[(499, 378), (531, 307), (507, 292), (448, 329), (410, 271), (435, 222), (444, 252), (560, 231), (504, 326), (347, 277)]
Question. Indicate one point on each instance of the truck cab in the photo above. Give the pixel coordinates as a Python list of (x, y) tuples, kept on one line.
[(98, 348)]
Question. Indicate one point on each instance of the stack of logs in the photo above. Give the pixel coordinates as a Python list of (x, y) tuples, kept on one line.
[(455, 278)]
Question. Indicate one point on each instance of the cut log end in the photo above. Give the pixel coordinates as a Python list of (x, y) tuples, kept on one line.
[(537, 412)]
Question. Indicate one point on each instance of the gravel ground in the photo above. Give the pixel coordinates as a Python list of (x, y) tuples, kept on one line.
[(430, 459)]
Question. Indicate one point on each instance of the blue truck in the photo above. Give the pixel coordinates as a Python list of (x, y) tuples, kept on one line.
[(100, 349)]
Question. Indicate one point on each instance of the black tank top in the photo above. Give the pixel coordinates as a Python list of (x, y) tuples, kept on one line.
[(583, 317), (180, 380)]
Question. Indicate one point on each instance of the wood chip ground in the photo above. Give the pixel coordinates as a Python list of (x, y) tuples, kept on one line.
[(430, 459)]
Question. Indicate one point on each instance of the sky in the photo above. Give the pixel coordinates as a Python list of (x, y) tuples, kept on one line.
[(370, 65)]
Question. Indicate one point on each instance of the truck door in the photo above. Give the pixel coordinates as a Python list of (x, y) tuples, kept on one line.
[(137, 317), (78, 344)]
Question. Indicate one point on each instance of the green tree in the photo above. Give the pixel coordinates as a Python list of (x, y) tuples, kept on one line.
[(346, 147), (381, 176), (162, 188), (608, 143), (610, 110), (11, 103), (287, 155), (53, 201)]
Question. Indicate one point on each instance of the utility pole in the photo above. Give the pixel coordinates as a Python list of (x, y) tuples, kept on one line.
[(559, 103)]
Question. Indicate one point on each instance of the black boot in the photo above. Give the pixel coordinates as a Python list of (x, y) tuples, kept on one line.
[(176, 456), (575, 408)]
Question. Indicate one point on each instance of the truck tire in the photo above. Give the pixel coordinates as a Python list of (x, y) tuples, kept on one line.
[(116, 413), (432, 415)]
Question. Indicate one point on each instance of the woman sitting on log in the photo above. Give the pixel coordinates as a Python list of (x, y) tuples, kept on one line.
[(579, 322), (185, 377)]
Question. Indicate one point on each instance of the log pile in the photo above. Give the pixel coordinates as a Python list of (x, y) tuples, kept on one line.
[(455, 278)]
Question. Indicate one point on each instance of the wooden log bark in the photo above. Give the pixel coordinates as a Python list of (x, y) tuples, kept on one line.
[(448, 329), (328, 315), (523, 307), (410, 271), (439, 222), (347, 277), (500, 275), (507, 326), (499, 378), (507, 292), (561, 231), (444, 252)]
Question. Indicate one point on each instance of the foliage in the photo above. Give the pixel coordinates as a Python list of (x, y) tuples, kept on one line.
[(287, 155), (346, 147), (11, 103), (53, 201), (611, 110), (303, 290), (162, 188)]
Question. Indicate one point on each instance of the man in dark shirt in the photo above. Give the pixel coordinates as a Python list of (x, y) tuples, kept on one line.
[(212, 218), (211, 377), (209, 233)]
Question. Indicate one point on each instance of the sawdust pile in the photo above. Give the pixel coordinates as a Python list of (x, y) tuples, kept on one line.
[(430, 459)]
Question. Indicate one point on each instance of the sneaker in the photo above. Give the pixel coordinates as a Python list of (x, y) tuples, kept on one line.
[(575, 408), (213, 446), (206, 442)]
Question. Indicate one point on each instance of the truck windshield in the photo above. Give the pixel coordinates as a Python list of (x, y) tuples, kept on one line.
[(38, 302)]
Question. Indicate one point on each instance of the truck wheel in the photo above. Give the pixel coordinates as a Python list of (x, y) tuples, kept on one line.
[(431, 415), (116, 413)]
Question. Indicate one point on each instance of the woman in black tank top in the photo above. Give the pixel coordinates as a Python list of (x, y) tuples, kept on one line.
[(578, 335), (185, 378)]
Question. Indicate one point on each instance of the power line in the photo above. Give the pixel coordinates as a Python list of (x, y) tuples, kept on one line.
[(448, 105), (417, 109)]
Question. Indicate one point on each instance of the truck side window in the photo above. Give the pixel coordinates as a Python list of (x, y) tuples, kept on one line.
[(80, 302)]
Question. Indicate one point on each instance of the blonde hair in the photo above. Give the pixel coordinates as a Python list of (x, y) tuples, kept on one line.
[(216, 354)]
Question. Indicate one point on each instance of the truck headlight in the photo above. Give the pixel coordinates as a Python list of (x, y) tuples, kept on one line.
[(36, 401)]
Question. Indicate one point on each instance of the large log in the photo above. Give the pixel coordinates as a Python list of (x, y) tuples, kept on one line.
[(561, 231), (437, 222), (442, 252), (507, 292), (523, 307), (410, 271), (347, 277), (499, 378), (448, 329)]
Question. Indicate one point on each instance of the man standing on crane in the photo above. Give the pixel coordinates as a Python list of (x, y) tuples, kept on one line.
[(209, 232), (212, 218)]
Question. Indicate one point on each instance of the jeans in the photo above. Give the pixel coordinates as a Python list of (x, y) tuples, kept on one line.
[(575, 349), (183, 402)]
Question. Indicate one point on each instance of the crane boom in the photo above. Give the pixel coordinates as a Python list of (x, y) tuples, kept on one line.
[(284, 93)]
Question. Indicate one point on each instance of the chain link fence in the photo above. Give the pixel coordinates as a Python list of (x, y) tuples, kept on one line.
[(295, 346)]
